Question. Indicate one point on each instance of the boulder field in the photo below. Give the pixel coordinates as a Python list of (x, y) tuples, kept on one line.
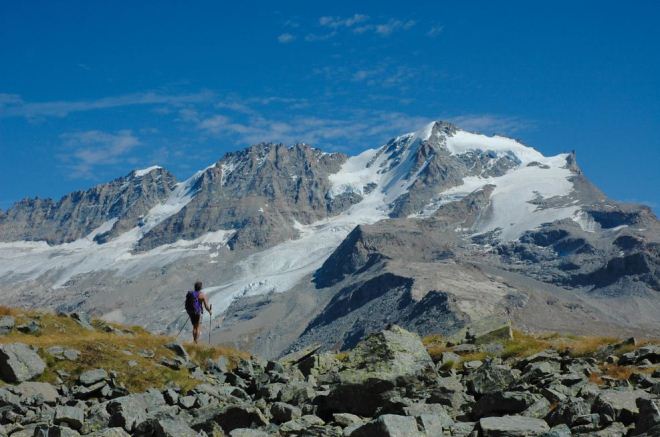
[(387, 385)]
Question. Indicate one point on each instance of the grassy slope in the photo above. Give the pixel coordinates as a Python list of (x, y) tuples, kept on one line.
[(113, 352), (524, 344)]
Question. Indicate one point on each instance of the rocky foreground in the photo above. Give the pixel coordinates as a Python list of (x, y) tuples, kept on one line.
[(388, 385)]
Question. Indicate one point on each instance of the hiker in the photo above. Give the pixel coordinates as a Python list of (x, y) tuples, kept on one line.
[(196, 301)]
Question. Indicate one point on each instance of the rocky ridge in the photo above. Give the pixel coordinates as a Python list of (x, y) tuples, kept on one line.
[(118, 205)]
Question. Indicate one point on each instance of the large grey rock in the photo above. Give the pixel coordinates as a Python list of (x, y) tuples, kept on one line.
[(131, 410), (73, 417), (63, 353), (540, 370), (83, 320), (539, 409), (500, 403), (297, 393), (166, 427), (29, 391), (240, 416), (389, 425), (97, 418), (649, 414), (99, 389), (6, 324), (568, 410), (490, 378), (346, 419), (449, 391), (93, 376), (308, 423), (283, 412), (187, 402), (619, 405), (179, 350), (448, 359), (8, 398), (31, 327), (436, 410), (18, 363), (650, 352), (376, 365), (512, 426), (430, 424)]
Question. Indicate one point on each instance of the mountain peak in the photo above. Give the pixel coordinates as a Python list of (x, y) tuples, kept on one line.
[(435, 128), (143, 172)]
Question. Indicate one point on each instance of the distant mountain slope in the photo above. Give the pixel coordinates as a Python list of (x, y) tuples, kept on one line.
[(437, 230), (78, 214)]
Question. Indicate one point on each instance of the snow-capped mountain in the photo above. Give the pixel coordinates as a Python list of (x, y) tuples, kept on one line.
[(436, 230)]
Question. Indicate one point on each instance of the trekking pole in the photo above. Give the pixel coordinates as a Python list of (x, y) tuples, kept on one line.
[(182, 328), (210, 319)]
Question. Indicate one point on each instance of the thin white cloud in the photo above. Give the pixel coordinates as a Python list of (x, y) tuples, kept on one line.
[(387, 28), (336, 22), (490, 123), (85, 152), (214, 124), (385, 75), (285, 38), (12, 105), (435, 30), (312, 37), (359, 127), (357, 24), (251, 122)]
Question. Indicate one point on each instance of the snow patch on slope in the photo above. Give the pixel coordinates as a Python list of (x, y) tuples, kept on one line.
[(389, 172), (463, 142), (514, 205), (182, 194), (146, 171), (355, 174)]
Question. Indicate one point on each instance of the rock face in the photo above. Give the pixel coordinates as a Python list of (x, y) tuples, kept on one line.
[(19, 363), (375, 370), (76, 215), (260, 192), (387, 385)]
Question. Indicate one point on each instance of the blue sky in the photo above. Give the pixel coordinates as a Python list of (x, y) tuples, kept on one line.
[(90, 90)]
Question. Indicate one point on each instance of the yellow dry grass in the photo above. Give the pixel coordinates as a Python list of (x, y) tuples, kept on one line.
[(435, 345), (525, 344), (113, 352), (6, 311)]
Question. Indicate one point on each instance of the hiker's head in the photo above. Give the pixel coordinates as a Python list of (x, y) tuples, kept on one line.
[(198, 286)]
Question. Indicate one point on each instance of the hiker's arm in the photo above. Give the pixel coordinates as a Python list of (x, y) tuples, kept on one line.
[(205, 300)]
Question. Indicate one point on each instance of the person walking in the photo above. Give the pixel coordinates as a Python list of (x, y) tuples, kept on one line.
[(196, 302)]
